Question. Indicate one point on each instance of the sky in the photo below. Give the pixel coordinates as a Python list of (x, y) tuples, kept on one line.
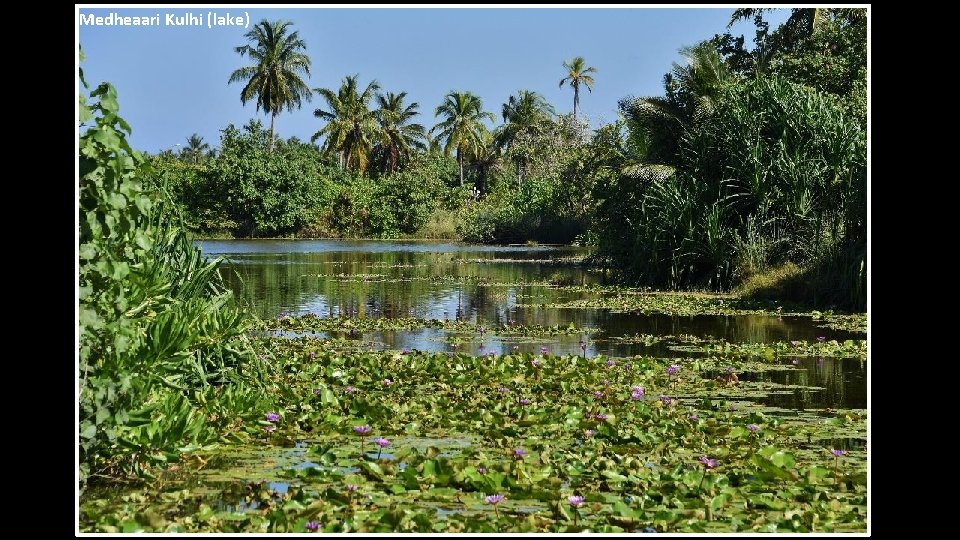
[(172, 81)]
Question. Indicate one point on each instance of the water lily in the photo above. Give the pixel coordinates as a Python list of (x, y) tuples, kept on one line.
[(693, 418), (600, 416), (503, 390), (837, 454), (362, 431), (352, 488), (494, 500), (482, 470), (637, 392), (536, 362), (821, 338), (753, 428), (575, 501), (611, 363), (598, 394), (388, 382), (588, 432), (524, 401), (272, 417), (708, 464), (666, 400), (544, 350), (350, 390), (673, 370), (269, 429), (312, 526), (518, 453), (382, 443)]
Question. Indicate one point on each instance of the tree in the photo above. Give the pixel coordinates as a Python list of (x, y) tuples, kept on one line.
[(195, 150), (462, 127), (525, 114), (578, 73), (397, 134), (274, 81), (351, 126)]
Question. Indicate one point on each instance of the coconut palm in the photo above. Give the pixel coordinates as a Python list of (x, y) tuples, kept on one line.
[(462, 125), (195, 150), (274, 81), (398, 136), (351, 126), (578, 73), (525, 114)]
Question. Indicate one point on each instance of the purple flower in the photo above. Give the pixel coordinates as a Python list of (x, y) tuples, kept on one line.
[(511, 321), (382, 442), (600, 416), (536, 362), (387, 382), (312, 525), (362, 430), (350, 390), (503, 390), (708, 463), (672, 370), (753, 428), (628, 367), (524, 401), (666, 400), (607, 383), (352, 487), (482, 346), (838, 453), (638, 390), (494, 499), (693, 418), (544, 350), (588, 432), (269, 429), (821, 338), (313, 354), (272, 417), (575, 501), (406, 350), (491, 354), (519, 453), (636, 396), (611, 363), (482, 470), (316, 391), (598, 394)]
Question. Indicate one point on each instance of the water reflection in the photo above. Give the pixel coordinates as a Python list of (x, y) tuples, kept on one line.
[(437, 280)]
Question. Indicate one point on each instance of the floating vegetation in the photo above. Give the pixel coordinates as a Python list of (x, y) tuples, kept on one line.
[(505, 443)]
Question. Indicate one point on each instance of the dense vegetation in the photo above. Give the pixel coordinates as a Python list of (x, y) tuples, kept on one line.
[(164, 362)]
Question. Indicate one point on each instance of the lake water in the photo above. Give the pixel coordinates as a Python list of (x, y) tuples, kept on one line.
[(439, 280)]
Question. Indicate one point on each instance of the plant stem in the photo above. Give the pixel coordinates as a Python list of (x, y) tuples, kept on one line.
[(702, 478)]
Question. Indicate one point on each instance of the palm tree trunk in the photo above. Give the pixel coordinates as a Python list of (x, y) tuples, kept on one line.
[(273, 134), (460, 161), (576, 98)]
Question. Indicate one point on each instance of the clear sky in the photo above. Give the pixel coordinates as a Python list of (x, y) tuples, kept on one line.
[(172, 81)]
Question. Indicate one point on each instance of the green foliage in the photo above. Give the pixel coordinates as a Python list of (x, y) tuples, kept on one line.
[(776, 173), (156, 322)]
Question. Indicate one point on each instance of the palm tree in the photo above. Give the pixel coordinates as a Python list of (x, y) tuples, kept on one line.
[(578, 73), (351, 126), (195, 150), (527, 113), (397, 135), (462, 127), (657, 124), (274, 81)]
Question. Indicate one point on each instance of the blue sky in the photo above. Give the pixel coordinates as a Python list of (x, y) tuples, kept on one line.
[(172, 81)]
